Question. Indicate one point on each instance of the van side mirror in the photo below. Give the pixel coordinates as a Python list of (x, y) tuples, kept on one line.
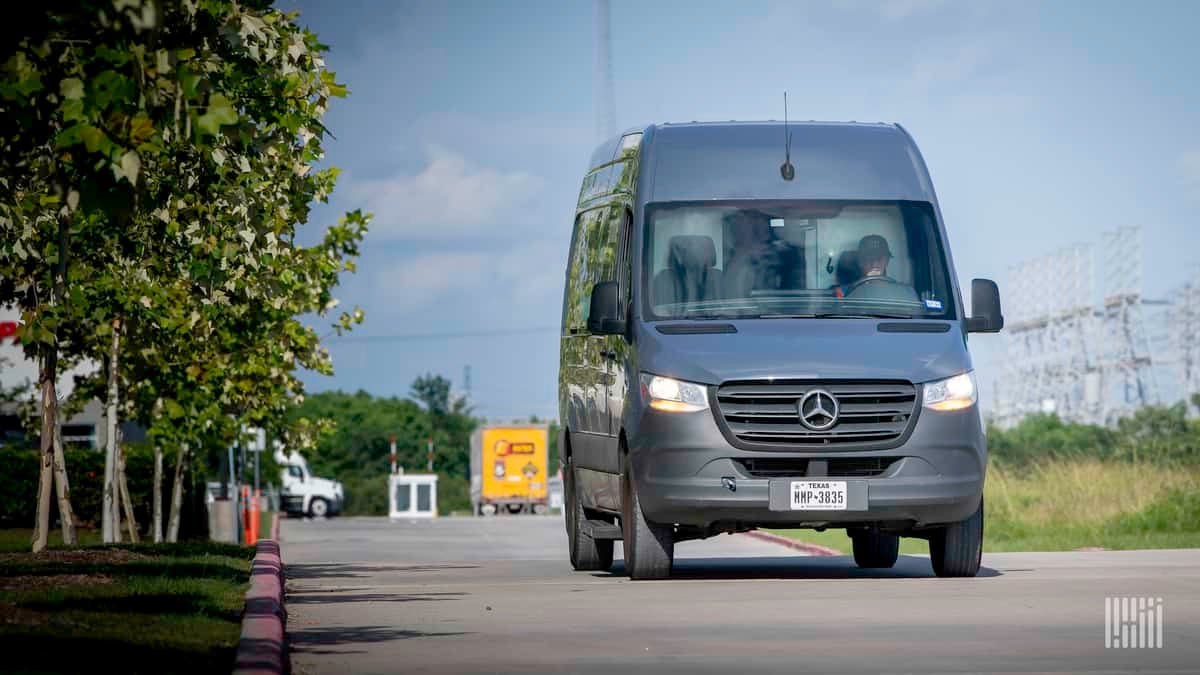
[(604, 317), (985, 307)]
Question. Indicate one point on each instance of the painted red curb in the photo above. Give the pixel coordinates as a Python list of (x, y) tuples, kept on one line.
[(261, 649), (811, 549)]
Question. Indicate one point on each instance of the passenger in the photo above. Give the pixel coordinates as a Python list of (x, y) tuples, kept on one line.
[(846, 273), (760, 260)]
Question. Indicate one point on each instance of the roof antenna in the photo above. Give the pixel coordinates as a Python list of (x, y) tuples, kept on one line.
[(786, 169)]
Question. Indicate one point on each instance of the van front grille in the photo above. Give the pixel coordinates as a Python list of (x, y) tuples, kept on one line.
[(838, 467), (869, 412)]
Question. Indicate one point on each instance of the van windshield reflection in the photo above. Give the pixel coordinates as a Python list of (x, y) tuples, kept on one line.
[(813, 259)]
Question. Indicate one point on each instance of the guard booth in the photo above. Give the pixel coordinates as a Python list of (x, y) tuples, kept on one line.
[(412, 495)]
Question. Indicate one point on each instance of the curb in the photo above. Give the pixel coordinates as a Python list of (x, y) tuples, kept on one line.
[(811, 549), (261, 649)]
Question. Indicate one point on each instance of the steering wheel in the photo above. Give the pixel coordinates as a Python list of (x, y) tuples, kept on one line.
[(866, 280)]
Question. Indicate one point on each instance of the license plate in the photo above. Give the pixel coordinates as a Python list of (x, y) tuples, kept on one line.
[(818, 495)]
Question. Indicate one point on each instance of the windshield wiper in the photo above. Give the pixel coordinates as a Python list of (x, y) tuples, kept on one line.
[(864, 315), (837, 315)]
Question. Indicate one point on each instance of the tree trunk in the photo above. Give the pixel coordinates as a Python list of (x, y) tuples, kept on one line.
[(41, 528), (111, 515), (65, 513), (46, 380), (177, 495), (156, 520), (126, 502)]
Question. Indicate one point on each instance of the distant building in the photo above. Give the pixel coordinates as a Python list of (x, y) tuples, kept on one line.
[(86, 428)]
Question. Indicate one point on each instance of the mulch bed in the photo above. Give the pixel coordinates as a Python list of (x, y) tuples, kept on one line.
[(89, 556)]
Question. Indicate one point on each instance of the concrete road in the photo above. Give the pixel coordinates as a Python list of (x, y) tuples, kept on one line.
[(498, 596)]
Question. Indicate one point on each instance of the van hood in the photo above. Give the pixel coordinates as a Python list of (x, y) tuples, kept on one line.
[(805, 349)]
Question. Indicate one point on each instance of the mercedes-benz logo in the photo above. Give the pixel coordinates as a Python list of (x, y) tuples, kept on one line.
[(818, 410)]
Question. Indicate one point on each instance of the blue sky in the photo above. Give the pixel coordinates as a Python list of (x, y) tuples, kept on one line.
[(469, 126)]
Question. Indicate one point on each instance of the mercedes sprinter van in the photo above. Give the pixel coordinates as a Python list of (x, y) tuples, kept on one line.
[(762, 327)]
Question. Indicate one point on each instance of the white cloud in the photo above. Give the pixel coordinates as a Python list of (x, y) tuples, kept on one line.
[(1189, 169), (530, 273), (419, 281), (450, 198)]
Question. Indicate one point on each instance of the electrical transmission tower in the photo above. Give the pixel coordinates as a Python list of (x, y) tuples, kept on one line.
[(1063, 355), (1185, 335), (1050, 342), (1127, 368), (602, 77)]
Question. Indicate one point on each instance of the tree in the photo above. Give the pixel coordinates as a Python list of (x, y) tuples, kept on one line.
[(434, 392), (157, 160), (355, 450)]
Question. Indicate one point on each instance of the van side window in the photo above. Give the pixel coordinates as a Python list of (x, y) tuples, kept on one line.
[(594, 253), (579, 286)]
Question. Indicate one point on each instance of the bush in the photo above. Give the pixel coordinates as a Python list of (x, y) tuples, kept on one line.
[(1155, 434), (85, 472)]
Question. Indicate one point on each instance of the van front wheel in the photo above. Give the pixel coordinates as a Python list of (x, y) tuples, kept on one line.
[(957, 549), (649, 547)]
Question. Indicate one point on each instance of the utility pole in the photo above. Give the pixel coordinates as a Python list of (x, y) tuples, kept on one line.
[(429, 454), (393, 441)]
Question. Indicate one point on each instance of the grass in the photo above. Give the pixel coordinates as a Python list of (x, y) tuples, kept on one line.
[(19, 539), (1068, 505), (160, 608)]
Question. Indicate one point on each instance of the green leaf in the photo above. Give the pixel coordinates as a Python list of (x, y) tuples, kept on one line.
[(72, 110), (111, 86), (189, 80), (72, 88), (220, 112), (72, 135), (93, 138)]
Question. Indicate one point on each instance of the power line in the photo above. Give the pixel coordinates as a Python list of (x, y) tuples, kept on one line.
[(403, 337)]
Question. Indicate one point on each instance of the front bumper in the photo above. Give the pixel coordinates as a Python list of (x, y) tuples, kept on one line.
[(681, 463)]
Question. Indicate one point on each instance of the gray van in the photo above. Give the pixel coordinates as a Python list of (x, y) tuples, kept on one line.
[(762, 327)]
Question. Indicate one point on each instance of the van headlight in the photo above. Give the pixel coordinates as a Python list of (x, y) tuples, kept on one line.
[(952, 393), (670, 395)]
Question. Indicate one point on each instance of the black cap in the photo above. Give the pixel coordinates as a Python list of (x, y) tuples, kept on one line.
[(873, 246)]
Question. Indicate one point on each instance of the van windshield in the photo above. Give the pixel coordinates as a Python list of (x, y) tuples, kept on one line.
[(782, 259)]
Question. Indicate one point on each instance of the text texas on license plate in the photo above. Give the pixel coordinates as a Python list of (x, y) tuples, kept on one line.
[(818, 495)]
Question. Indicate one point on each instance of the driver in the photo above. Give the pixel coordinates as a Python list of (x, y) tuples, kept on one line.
[(875, 284)]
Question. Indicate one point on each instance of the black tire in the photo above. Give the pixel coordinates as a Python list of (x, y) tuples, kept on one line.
[(649, 547), (874, 550), (318, 508), (957, 549), (586, 554)]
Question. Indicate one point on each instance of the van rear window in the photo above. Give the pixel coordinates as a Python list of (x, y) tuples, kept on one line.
[(812, 258)]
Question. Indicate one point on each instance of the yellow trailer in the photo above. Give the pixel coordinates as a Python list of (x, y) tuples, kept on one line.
[(509, 469)]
